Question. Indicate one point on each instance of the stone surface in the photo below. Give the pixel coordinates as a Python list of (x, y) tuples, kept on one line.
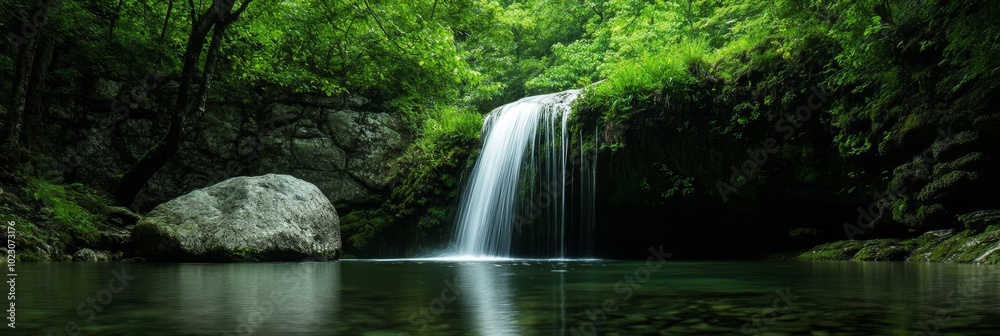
[(969, 246), (340, 144), (263, 218), (87, 254)]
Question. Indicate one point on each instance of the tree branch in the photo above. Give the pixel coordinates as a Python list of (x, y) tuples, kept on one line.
[(236, 15), (384, 32), (433, 9)]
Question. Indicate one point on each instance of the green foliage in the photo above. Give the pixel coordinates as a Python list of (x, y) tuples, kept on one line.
[(64, 206), (632, 86), (688, 86), (448, 124), (668, 183), (516, 42), (573, 68), (402, 51), (733, 70), (52, 218), (29, 237)]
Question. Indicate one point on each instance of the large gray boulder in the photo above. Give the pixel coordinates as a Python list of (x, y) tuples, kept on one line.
[(264, 218)]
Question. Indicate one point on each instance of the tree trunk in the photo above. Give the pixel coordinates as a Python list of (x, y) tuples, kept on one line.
[(139, 174), (36, 87), (216, 19), (163, 32), (10, 140), (210, 62), (114, 19)]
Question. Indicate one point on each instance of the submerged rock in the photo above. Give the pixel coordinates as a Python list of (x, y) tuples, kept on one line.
[(264, 218)]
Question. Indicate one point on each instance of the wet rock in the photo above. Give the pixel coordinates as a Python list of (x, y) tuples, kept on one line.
[(966, 246)]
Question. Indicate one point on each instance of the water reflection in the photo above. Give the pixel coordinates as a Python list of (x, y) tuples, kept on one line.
[(489, 295), (560, 305), (248, 298), (511, 297)]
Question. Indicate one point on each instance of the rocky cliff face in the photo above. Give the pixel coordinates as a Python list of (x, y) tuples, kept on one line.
[(340, 144)]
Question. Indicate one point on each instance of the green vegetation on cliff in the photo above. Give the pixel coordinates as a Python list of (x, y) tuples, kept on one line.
[(792, 114), (51, 220)]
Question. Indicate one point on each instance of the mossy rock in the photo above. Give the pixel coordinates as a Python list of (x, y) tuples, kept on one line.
[(934, 237), (862, 250), (964, 247), (980, 220), (838, 250), (968, 246), (886, 250)]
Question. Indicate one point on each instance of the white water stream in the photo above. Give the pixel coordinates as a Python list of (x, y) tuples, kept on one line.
[(519, 185)]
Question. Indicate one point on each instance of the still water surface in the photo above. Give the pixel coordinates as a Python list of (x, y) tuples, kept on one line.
[(509, 297)]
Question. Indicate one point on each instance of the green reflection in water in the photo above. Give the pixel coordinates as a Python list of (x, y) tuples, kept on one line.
[(516, 297)]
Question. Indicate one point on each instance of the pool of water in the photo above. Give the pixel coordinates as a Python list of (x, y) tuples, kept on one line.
[(508, 297)]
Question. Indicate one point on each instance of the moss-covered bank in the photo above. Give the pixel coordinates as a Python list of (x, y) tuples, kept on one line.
[(969, 246), (53, 220)]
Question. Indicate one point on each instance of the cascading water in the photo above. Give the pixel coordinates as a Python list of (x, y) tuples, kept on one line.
[(519, 199)]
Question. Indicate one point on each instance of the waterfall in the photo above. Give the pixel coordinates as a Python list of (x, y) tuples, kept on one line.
[(515, 202)]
